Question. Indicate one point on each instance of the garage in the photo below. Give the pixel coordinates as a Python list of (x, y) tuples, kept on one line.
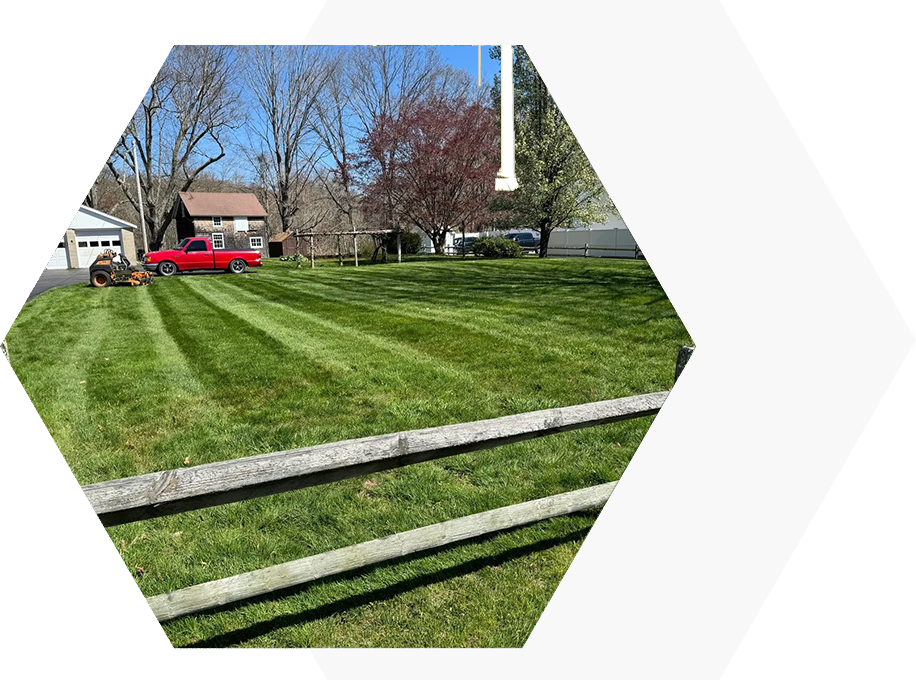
[(91, 233), (90, 244), (59, 259)]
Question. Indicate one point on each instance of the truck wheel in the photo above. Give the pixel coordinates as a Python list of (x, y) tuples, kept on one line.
[(238, 266), (100, 279), (167, 269)]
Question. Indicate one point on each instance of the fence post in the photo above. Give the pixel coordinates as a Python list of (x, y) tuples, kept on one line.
[(312, 249), (683, 356), (339, 252), (399, 246), (355, 252), (586, 250)]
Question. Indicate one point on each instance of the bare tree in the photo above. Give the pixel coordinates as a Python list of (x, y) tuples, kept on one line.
[(285, 82), (180, 129), (336, 173), (105, 195), (385, 82)]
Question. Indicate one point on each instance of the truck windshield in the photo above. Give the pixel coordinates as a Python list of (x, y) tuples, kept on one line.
[(183, 243)]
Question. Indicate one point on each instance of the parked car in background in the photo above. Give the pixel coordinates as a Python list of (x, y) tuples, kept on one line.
[(465, 245), (528, 240), (193, 254)]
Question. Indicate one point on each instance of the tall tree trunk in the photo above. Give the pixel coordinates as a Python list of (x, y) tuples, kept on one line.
[(544, 230), (439, 243), (542, 246)]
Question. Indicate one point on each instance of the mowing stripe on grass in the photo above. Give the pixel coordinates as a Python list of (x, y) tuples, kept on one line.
[(449, 342), (163, 385), (422, 342), (524, 318), (269, 386), (377, 302), (55, 367), (205, 335), (498, 324), (372, 351), (355, 337)]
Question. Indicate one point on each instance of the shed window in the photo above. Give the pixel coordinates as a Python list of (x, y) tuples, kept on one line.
[(256, 242), (241, 223), (217, 222), (217, 240)]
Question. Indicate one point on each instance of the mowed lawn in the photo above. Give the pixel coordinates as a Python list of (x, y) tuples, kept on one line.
[(202, 368)]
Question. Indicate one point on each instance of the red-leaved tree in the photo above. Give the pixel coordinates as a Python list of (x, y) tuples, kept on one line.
[(441, 177)]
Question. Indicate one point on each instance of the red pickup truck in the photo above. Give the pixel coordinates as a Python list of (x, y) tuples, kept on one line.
[(198, 253)]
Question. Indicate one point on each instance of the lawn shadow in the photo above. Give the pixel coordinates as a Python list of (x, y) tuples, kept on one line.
[(256, 630)]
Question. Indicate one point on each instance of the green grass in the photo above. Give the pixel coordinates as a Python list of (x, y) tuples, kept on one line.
[(206, 368)]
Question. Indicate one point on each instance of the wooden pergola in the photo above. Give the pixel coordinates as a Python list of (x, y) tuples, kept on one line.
[(311, 234)]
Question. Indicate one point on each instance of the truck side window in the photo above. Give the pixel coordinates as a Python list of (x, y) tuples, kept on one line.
[(196, 246)]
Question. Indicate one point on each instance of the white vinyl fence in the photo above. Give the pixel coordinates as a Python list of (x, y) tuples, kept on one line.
[(593, 242)]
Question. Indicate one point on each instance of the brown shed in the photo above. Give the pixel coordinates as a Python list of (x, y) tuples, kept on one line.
[(286, 243)]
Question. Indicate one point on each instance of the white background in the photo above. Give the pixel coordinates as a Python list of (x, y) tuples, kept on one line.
[(783, 133)]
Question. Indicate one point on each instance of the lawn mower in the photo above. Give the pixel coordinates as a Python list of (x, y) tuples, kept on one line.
[(112, 269)]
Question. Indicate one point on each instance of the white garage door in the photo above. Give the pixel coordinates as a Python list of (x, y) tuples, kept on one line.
[(59, 258), (90, 245)]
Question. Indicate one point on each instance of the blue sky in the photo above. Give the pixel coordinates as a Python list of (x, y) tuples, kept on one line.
[(465, 56)]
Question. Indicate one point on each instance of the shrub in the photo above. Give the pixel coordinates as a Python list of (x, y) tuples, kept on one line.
[(298, 258), (410, 243), (494, 246), (366, 248)]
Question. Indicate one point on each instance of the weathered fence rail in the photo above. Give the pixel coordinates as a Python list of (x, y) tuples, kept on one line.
[(174, 491), (298, 572), (120, 501)]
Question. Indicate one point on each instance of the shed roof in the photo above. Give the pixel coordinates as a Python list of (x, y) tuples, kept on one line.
[(218, 204), (278, 238)]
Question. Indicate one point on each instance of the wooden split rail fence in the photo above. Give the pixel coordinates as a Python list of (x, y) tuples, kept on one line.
[(121, 501)]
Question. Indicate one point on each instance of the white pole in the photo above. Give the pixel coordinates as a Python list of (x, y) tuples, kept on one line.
[(505, 178), (140, 200)]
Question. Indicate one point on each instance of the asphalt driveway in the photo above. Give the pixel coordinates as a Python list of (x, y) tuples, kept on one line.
[(54, 278)]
